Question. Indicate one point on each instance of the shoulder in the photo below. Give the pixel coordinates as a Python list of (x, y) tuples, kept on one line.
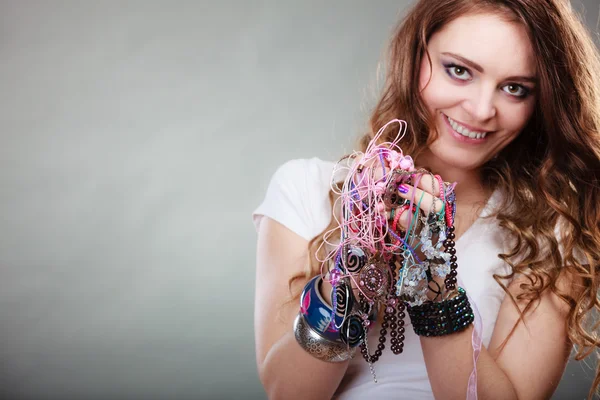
[(307, 179), (498, 202), (304, 171), (298, 196)]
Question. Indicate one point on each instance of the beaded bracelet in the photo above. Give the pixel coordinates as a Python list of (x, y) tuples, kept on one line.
[(443, 318)]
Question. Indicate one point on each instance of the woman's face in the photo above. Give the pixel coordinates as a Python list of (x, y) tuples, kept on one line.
[(480, 88)]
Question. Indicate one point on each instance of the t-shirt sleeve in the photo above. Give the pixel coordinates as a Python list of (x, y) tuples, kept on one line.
[(297, 198)]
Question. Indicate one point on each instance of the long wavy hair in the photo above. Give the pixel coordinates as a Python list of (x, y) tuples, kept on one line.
[(549, 174)]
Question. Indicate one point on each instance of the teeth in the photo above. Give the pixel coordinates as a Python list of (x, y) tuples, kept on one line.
[(464, 131)]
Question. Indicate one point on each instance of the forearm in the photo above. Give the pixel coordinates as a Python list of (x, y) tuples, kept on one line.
[(290, 372), (449, 361)]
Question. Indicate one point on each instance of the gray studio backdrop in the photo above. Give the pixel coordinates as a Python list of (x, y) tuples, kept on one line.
[(137, 137)]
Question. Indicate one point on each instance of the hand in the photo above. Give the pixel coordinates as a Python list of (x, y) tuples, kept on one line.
[(426, 195)]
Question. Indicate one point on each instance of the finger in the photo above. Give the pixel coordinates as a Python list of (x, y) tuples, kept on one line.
[(402, 217), (428, 183), (423, 199)]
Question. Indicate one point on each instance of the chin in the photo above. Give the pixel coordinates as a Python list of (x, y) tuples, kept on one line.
[(461, 163), (456, 159)]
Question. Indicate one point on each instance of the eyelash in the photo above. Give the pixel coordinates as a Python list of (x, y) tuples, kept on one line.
[(448, 68)]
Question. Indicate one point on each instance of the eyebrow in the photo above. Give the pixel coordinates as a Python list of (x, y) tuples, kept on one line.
[(479, 68)]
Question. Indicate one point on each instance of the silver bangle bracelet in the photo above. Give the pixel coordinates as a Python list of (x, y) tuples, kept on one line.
[(319, 347)]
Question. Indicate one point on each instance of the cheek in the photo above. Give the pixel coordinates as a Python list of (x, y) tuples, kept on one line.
[(435, 90), (517, 117)]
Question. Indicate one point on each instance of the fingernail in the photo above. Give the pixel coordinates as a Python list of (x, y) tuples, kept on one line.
[(403, 188)]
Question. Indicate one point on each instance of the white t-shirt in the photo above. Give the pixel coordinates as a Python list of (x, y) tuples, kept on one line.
[(298, 198)]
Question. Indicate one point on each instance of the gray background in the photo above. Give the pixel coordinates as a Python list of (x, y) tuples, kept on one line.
[(137, 138)]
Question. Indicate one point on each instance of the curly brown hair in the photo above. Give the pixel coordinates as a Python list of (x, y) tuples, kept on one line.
[(549, 175)]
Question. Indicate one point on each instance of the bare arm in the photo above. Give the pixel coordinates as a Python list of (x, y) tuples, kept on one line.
[(529, 367), (285, 369)]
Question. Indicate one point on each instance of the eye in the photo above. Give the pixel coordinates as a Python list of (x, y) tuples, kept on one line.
[(516, 90), (457, 72)]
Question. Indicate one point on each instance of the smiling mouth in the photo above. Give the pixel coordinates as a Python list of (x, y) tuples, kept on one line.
[(464, 131)]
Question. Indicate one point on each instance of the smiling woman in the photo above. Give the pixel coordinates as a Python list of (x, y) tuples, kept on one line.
[(501, 97), (479, 88)]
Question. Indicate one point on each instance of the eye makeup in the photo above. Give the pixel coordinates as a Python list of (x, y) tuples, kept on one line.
[(457, 72), (460, 73)]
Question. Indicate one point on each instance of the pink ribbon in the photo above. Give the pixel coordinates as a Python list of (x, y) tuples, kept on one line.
[(476, 340)]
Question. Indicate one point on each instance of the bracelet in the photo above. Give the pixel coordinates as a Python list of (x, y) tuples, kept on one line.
[(319, 347), (317, 313), (343, 325), (443, 318)]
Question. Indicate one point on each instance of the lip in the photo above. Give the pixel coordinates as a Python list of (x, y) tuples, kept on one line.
[(462, 138), (469, 127)]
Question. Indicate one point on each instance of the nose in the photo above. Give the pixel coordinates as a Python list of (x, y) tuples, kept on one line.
[(481, 105)]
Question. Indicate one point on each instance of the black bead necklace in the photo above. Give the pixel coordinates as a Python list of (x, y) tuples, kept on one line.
[(390, 321), (449, 244)]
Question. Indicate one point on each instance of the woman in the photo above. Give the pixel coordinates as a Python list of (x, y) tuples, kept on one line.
[(502, 97)]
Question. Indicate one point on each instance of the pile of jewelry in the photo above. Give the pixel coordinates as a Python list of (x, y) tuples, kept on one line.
[(378, 265)]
